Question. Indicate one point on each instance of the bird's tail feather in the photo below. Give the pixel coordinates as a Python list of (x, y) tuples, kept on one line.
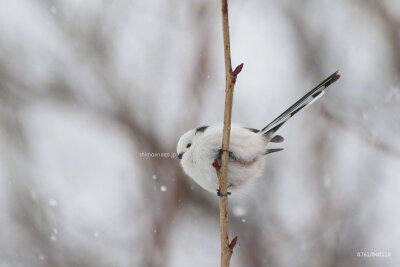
[(302, 103)]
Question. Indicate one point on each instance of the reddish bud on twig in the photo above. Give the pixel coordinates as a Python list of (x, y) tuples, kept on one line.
[(216, 165), (238, 69), (233, 243)]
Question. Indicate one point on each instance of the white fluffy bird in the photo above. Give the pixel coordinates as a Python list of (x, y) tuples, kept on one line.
[(199, 148)]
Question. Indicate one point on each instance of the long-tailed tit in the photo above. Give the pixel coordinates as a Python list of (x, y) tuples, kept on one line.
[(199, 148)]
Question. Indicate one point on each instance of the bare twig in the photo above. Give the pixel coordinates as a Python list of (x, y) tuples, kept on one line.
[(222, 171)]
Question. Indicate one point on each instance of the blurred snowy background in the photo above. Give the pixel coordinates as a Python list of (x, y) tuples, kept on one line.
[(86, 86)]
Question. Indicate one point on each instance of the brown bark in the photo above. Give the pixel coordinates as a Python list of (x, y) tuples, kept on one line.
[(222, 171)]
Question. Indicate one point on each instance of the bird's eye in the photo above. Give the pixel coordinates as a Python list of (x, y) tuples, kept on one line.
[(188, 145)]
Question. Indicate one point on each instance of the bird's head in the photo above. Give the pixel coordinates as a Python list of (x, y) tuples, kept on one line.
[(187, 139)]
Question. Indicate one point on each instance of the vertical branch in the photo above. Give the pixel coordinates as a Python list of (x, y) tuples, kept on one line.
[(222, 171)]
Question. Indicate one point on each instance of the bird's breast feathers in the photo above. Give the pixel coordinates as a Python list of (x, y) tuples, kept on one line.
[(246, 150)]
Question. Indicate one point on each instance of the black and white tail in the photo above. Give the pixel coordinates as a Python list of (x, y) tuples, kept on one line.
[(302, 103)]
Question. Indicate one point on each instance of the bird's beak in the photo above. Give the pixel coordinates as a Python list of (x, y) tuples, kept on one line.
[(180, 156)]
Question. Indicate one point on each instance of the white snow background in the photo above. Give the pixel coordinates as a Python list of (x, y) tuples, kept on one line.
[(86, 86)]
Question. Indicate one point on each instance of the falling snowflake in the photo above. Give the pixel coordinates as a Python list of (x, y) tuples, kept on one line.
[(163, 188), (53, 10), (393, 94), (53, 202), (238, 211), (327, 181), (33, 194)]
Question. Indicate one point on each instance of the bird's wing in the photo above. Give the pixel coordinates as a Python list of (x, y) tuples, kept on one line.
[(274, 139), (232, 156)]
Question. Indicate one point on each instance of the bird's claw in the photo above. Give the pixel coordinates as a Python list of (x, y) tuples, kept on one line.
[(222, 195)]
